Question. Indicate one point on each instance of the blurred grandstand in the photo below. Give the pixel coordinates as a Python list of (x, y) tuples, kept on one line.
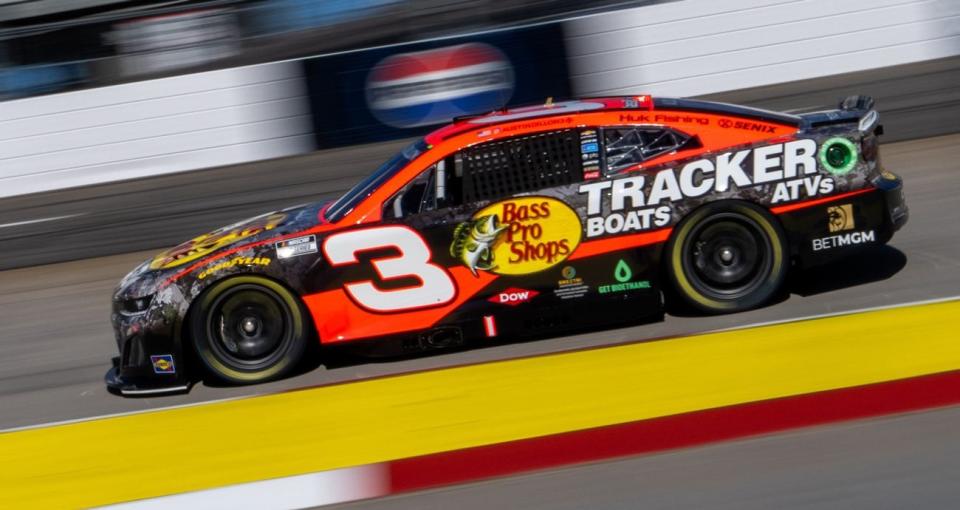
[(58, 45)]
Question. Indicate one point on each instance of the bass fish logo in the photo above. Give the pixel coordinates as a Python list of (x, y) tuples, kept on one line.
[(473, 242), (517, 236)]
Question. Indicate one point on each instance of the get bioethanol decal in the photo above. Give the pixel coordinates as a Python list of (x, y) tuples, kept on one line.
[(623, 274), (643, 201), (517, 236)]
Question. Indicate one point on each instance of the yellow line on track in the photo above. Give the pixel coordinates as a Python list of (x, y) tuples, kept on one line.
[(178, 450)]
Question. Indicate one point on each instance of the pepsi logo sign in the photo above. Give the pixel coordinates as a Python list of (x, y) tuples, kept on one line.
[(513, 296), (434, 86)]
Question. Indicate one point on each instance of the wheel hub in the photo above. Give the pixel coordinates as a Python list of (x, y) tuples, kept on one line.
[(252, 326), (249, 326), (727, 257)]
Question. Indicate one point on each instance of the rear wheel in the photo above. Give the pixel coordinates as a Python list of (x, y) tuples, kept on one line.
[(727, 257), (248, 330)]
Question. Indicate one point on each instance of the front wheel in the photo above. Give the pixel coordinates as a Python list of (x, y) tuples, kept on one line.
[(248, 330), (727, 257)]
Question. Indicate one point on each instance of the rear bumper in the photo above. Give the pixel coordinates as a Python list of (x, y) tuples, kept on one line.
[(837, 228), (894, 201)]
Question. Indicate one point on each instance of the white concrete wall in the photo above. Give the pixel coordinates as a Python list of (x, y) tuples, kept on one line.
[(696, 47), (684, 48), (153, 127)]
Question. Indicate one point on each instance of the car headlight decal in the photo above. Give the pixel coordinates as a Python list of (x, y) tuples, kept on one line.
[(136, 306)]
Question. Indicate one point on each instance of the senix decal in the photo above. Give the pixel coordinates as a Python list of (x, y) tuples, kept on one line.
[(517, 236), (790, 166)]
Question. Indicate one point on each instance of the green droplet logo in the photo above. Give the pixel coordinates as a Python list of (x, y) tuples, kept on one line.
[(622, 272)]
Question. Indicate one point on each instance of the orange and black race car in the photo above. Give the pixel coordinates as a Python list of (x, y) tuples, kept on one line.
[(523, 222)]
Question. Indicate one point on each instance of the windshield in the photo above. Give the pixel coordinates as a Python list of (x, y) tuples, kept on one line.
[(364, 188)]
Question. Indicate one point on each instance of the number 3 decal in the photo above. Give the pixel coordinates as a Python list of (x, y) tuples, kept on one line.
[(435, 288)]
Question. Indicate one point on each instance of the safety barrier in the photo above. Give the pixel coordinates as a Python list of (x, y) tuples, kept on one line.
[(153, 127), (685, 48), (698, 47)]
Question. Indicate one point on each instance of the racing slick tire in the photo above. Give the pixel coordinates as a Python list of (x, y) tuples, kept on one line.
[(727, 257), (248, 330)]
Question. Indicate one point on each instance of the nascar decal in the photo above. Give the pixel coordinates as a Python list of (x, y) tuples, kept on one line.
[(208, 243), (517, 236), (295, 247), (641, 202)]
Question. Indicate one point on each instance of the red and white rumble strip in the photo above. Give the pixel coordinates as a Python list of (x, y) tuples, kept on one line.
[(590, 445)]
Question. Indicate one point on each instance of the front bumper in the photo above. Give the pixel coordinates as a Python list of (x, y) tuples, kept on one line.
[(151, 358), (128, 385)]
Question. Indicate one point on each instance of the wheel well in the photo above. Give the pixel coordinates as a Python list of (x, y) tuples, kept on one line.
[(764, 209), (664, 270), (190, 351)]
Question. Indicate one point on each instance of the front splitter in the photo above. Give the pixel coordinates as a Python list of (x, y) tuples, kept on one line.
[(133, 387)]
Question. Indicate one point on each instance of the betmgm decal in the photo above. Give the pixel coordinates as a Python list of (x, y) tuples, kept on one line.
[(642, 202)]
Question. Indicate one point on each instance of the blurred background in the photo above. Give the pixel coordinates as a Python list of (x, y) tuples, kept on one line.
[(57, 45), (108, 108), (127, 126)]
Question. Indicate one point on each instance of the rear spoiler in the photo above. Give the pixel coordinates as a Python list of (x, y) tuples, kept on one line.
[(852, 109), (869, 118)]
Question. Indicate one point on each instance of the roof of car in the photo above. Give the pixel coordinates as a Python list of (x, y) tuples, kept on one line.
[(550, 108)]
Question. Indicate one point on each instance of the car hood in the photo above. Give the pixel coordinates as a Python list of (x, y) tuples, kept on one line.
[(143, 280)]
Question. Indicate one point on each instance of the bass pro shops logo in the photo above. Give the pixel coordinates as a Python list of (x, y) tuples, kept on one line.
[(517, 236)]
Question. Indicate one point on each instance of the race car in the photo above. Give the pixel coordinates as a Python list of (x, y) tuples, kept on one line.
[(530, 221)]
